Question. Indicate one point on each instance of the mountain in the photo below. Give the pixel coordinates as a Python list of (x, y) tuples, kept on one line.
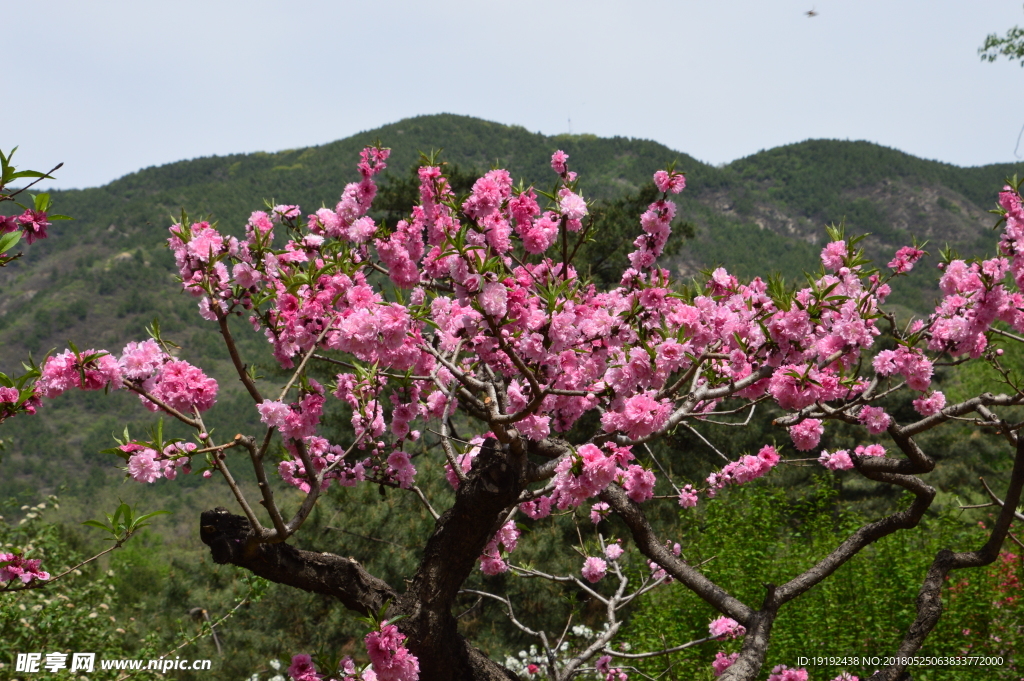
[(86, 282)]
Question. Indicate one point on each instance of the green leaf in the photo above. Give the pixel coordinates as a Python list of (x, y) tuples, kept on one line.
[(7, 241), (26, 173), (42, 201), (97, 524), (137, 523)]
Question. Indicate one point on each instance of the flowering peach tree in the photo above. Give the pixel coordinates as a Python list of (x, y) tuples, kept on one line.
[(472, 307)]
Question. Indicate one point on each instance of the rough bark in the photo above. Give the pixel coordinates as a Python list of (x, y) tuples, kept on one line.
[(459, 537), (227, 536)]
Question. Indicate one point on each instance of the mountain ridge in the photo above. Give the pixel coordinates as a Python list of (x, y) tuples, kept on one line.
[(96, 278)]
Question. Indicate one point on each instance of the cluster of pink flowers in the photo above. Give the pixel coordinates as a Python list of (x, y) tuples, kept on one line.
[(147, 465), (869, 450), (89, 370), (604, 666), (687, 496), (748, 468), (144, 366), (594, 569), (614, 550), (909, 362), (302, 668), (641, 415), (323, 455), (298, 419), (33, 224), (391, 660), (783, 673), (836, 461), (491, 562), (723, 662), (180, 386), (905, 258), (14, 401), (15, 566), (875, 418), (807, 434), (726, 627), (931, 403), (587, 473), (670, 182)]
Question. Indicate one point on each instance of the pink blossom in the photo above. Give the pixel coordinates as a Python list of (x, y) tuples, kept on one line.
[(244, 275), (181, 386), (846, 676), (641, 416), (139, 361), (784, 673), (832, 255), (491, 564), (8, 223), (594, 569), (401, 469), (806, 434), (142, 466), (875, 418), (769, 456), (905, 259), (33, 224), (670, 182), (493, 299), (67, 370), (613, 551), (723, 662), (302, 669), (930, 404), (599, 512), (274, 414), (558, 160), (836, 461), (726, 627), (537, 509), (362, 230), (870, 450), (391, 660), (639, 483), (747, 468), (687, 497), (16, 566), (572, 206)]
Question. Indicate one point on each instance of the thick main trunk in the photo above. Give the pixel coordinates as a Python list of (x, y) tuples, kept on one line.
[(459, 537)]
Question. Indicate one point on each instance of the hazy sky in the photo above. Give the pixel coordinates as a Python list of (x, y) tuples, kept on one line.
[(111, 87)]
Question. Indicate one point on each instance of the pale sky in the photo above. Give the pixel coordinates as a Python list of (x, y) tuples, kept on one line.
[(112, 87)]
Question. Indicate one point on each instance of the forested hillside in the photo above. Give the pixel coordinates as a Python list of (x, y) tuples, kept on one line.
[(773, 205)]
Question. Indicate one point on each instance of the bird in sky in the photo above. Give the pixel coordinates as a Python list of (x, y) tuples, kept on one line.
[(811, 14)]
